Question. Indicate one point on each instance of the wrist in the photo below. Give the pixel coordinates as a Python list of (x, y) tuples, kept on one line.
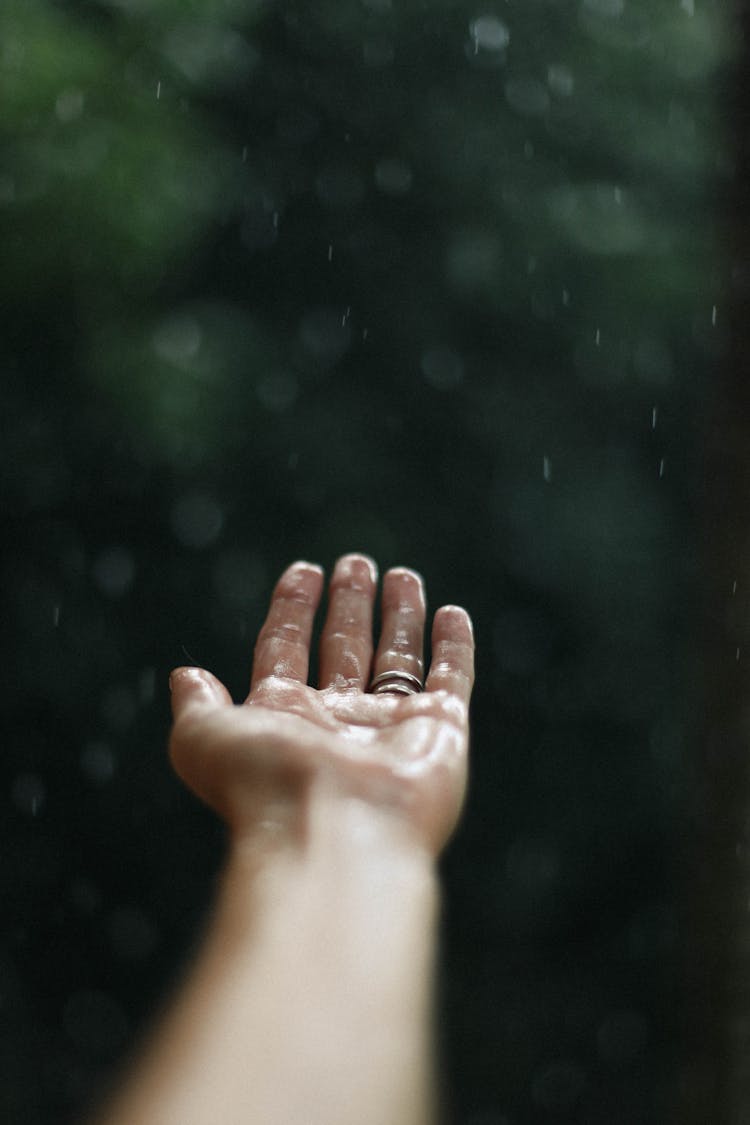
[(334, 847)]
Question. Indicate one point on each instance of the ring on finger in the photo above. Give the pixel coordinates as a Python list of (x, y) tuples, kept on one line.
[(396, 683)]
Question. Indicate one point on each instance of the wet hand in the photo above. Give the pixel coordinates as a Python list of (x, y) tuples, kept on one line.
[(261, 763)]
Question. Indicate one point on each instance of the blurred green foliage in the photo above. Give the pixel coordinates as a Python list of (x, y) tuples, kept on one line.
[(441, 282)]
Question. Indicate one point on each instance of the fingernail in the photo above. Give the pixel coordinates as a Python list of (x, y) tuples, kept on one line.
[(459, 611), (407, 572), (308, 565), (372, 565), (346, 563)]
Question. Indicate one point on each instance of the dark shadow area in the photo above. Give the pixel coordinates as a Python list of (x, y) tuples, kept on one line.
[(461, 287)]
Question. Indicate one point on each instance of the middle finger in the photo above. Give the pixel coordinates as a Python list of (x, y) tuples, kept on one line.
[(346, 641)]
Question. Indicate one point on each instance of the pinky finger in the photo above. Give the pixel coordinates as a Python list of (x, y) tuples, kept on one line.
[(452, 665)]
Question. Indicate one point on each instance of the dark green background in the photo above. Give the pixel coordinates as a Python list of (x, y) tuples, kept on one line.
[(444, 282)]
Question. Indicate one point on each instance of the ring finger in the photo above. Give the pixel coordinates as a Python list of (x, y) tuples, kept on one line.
[(402, 633)]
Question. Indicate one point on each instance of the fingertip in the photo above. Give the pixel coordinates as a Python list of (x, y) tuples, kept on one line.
[(454, 621), (304, 564), (355, 569), (189, 686)]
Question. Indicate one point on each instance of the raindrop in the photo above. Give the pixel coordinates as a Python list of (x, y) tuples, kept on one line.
[(29, 793), (196, 520), (547, 469)]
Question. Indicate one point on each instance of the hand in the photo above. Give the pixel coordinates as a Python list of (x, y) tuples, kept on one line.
[(260, 763)]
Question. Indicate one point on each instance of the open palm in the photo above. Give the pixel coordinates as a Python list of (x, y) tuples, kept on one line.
[(406, 754)]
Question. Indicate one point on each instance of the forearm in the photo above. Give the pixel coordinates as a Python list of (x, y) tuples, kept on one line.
[(311, 1001)]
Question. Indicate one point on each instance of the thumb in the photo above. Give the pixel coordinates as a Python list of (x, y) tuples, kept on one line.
[(195, 687)]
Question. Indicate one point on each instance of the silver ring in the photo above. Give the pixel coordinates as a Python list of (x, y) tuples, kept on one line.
[(396, 683)]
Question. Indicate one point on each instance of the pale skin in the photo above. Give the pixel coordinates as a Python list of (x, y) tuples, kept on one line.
[(311, 1000)]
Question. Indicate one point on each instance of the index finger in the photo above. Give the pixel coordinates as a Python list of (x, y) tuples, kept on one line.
[(283, 645), (452, 664)]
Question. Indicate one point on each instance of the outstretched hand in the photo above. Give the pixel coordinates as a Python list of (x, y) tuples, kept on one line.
[(257, 763)]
